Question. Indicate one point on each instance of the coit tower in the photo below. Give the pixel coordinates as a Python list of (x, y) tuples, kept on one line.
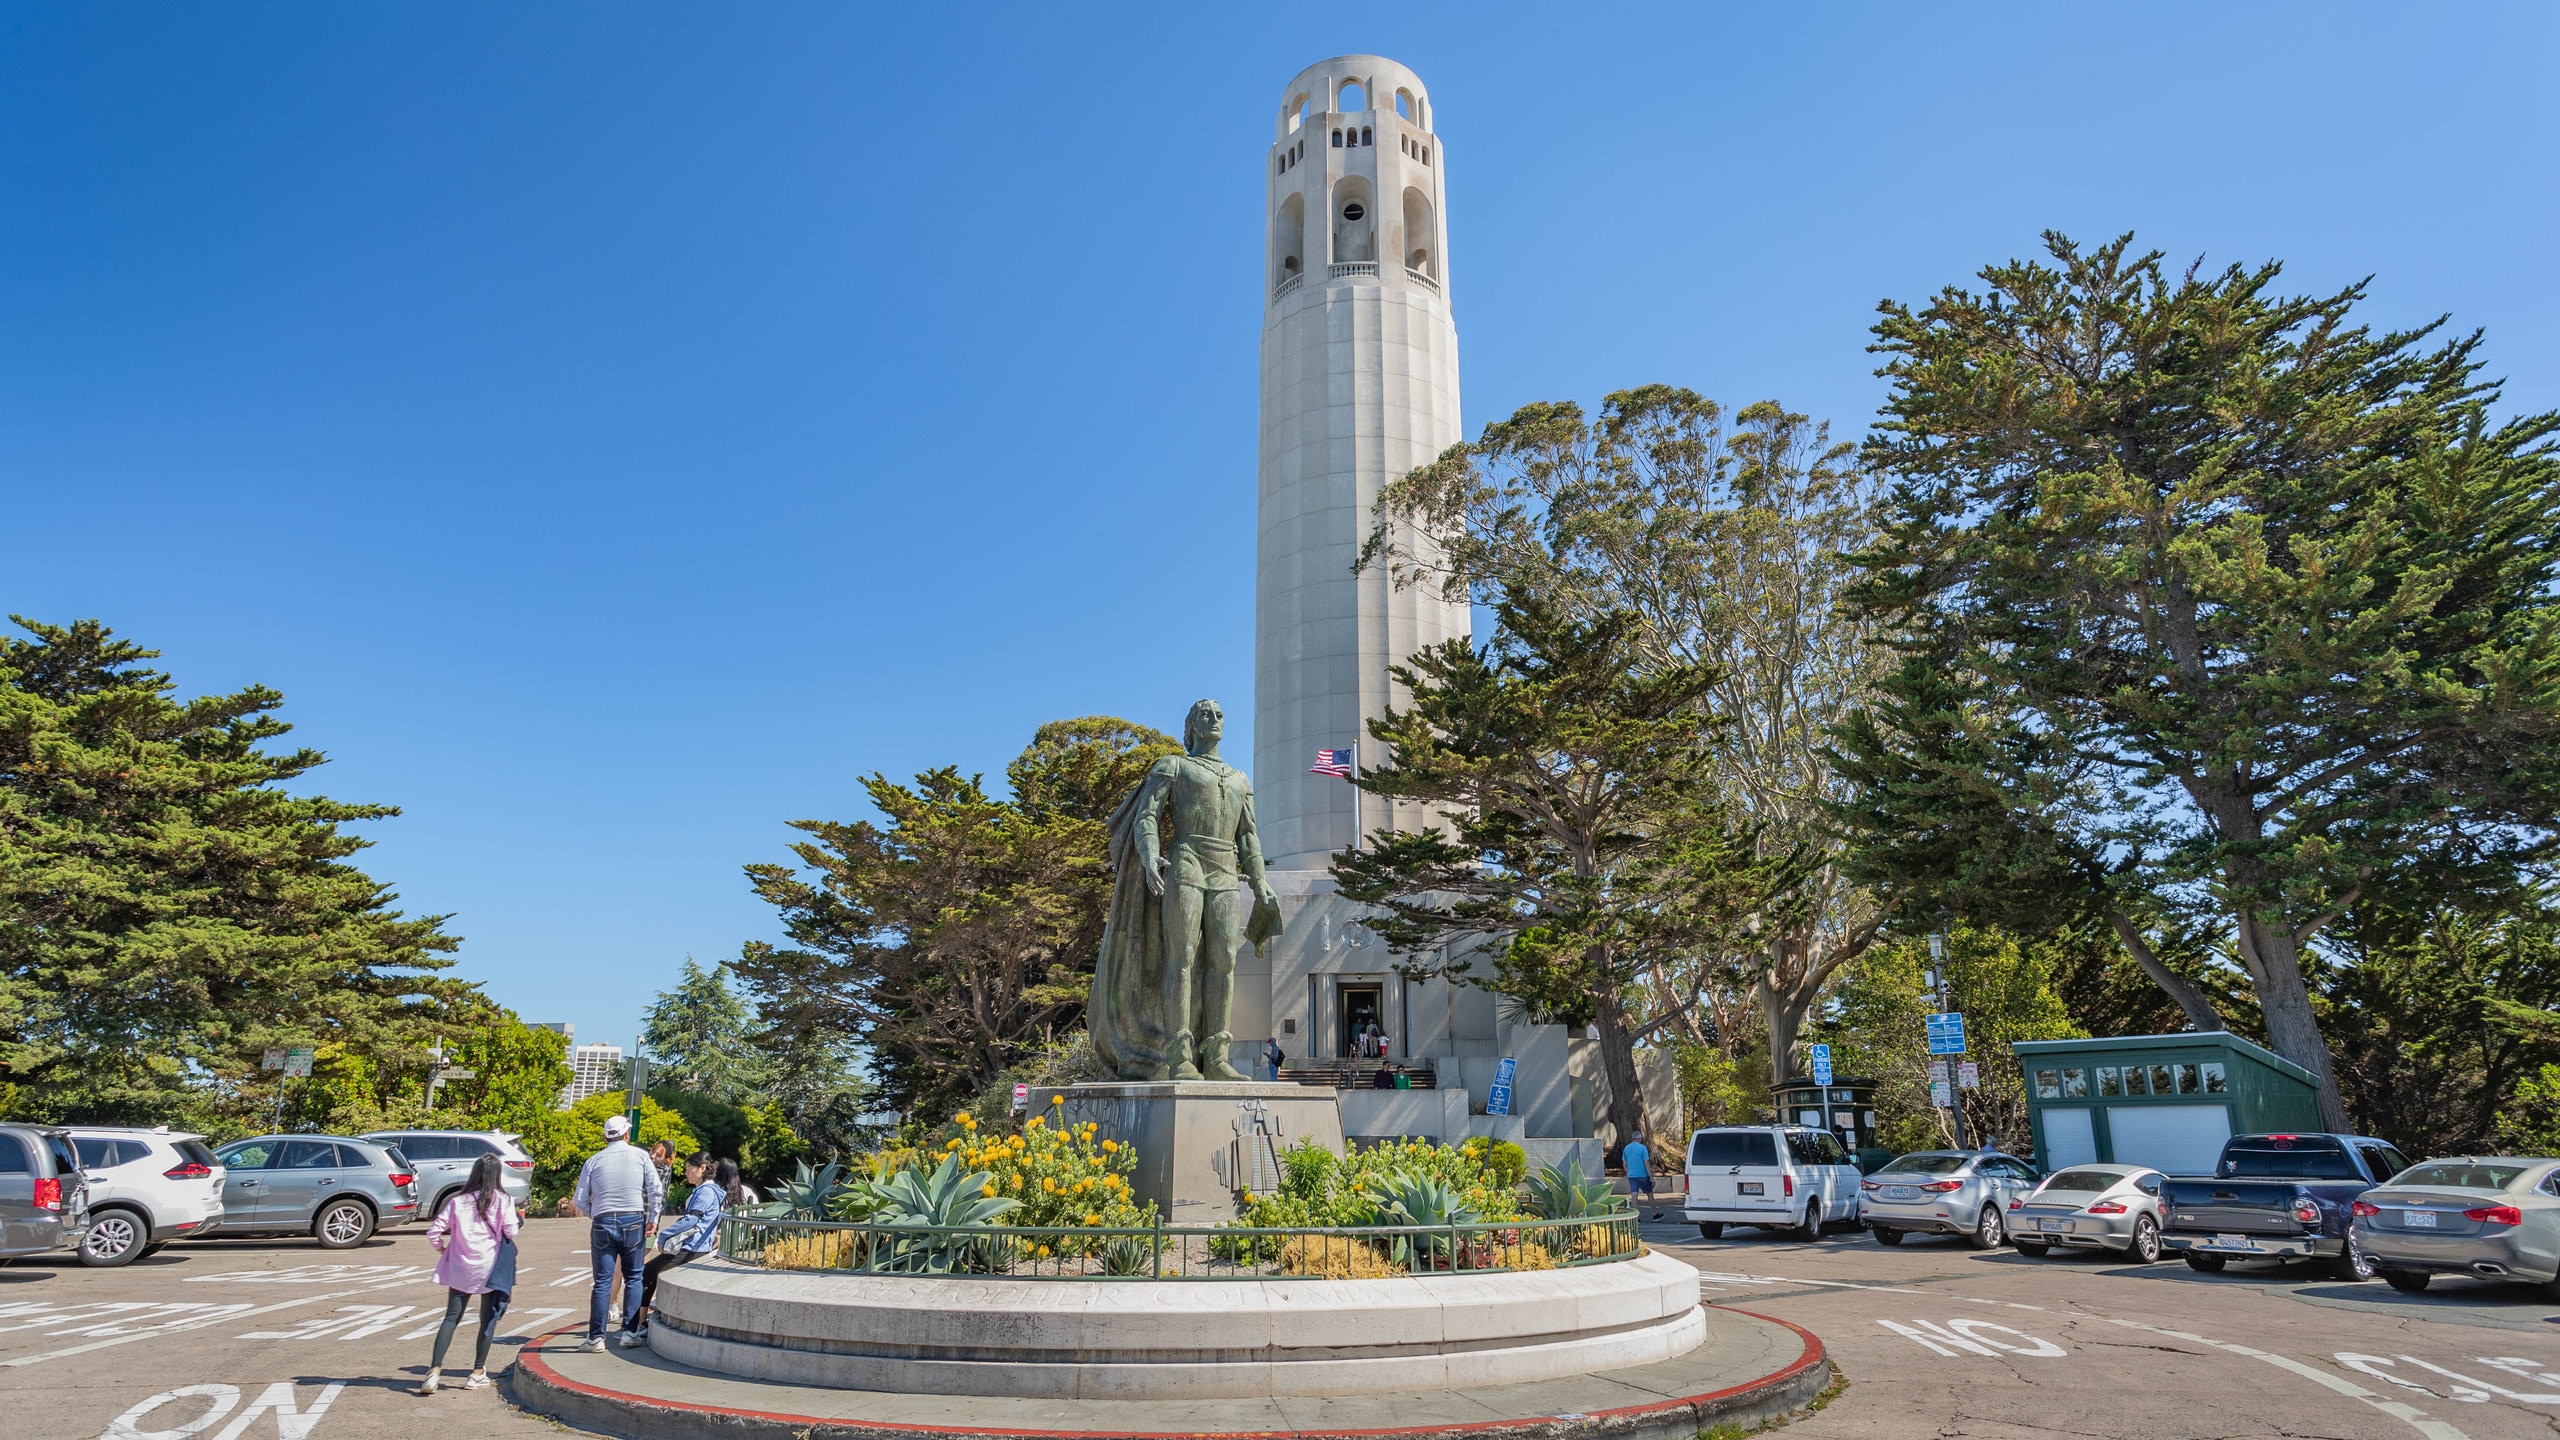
[(1359, 386)]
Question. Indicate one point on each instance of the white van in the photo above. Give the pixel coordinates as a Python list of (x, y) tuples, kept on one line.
[(1782, 1177)]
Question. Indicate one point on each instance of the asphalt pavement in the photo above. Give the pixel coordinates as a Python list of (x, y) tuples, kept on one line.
[(280, 1340)]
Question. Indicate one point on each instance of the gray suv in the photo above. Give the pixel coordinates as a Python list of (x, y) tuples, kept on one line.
[(335, 1189), (444, 1159), (44, 1197)]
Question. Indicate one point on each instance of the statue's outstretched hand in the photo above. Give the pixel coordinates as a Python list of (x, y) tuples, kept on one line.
[(1154, 874)]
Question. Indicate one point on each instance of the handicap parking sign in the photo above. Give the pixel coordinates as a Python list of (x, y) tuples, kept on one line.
[(1821, 1064), (1946, 1033)]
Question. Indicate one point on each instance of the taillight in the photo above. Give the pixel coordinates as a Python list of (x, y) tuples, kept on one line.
[(2362, 1211), (2486, 1214), (188, 1170), (2306, 1212), (49, 1194), (2107, 1207), (519, 1164), (1790, 1182), (401, 1177), (1870, 1185), (1941, 1187), (2017, 1204)]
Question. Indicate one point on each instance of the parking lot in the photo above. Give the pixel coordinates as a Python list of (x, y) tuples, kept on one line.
[(278, 1340)]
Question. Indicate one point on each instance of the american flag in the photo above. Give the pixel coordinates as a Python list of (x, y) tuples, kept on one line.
[(1336, 763)]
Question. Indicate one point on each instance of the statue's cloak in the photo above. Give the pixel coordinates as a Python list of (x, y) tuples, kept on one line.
[(1125, 1012)]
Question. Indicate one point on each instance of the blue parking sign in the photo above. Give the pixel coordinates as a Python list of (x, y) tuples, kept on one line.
[(1946, 1033), (1821, 1055)]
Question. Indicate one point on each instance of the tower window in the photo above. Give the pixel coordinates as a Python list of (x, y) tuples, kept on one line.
[(1364, 134), (1426, 154), (1354, 98), (1337, 139), (1405, 105)]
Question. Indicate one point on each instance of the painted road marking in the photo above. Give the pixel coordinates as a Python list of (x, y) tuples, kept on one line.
[(2416, 1419), (291, 1421), (1966, 1336), (576, 1275), (2463, 1388), (108, 1317), (318, 1275), (527, 1324), (189, 1323)]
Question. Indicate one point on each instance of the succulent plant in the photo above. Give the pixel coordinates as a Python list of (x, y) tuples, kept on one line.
[(945, 1200), (1563, 1192), (809, 1193), (1408, 1199)]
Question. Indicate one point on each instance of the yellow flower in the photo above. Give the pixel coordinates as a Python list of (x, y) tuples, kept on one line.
[(1048, 1186), (1034, 1122), (1248, 1197), (1043, 1252), (968, 1120), (1110, 1147), (990, 1190), (1093, 1219), (1057, 1099)]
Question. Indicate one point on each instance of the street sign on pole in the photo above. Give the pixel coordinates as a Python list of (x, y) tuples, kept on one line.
[(1940, 1095), (1946, 1032), (1021, 1095), (274, 1060), (639, 1082), (1497, 1101), (1937, 1072), (456, 1072), (1821, 1056), (1969, 1075), (297, 1063)]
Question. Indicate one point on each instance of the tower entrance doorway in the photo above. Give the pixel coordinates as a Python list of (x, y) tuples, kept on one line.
[(1361, 1007)]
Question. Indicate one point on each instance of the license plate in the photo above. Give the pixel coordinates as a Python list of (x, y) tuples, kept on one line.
[(1751, 1187), (2418, 1219), (2062, 1225), (1899, 1192), (2232, 1242)]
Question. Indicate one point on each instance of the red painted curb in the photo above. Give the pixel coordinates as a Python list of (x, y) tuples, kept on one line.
[(1813, 1357)]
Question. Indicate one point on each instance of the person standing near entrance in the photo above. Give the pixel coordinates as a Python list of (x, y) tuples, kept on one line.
[(1273, 1056), (1639, 1163), (620, 1193)]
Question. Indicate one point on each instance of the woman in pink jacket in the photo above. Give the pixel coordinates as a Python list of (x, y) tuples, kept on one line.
[(475, 1236)]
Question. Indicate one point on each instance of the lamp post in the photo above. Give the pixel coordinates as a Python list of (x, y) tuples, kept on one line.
[(1936, 979)]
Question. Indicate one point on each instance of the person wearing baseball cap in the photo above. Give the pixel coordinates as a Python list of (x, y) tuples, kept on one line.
[(620, 1193)]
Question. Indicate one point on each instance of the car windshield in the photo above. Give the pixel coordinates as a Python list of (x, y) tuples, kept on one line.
[(2458, 1175), (1733, 1147), (1924, 1165), (2328, 1162), (2087, 1182)]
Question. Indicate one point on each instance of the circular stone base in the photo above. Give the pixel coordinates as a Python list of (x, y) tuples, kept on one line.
[(1749, 1368), (1246, 1338)]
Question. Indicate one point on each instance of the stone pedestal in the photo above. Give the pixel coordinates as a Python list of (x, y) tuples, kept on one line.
[(1199, 1142)]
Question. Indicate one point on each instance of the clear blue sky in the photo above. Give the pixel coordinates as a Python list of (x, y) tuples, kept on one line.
[(616, 428)]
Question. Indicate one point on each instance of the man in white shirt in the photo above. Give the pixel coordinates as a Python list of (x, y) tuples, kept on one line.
[(620, 1193)]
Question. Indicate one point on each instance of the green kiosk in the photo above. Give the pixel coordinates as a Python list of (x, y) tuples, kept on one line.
[(2166, 1101)]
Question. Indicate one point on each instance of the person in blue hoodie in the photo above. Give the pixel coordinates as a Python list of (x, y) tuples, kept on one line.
[(697, 1231)]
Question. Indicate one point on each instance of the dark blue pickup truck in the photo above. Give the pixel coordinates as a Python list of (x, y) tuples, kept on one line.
[(2278, 1197)]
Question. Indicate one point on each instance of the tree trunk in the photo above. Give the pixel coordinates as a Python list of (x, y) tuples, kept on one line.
[(2190, 996), (2293, 1031), (1618, 1066), (1785, 1018)]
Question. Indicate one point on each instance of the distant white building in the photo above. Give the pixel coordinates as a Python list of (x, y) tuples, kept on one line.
[(596, 1070)]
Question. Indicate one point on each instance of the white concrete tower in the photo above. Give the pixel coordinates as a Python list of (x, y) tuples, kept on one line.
[(1359, 386)]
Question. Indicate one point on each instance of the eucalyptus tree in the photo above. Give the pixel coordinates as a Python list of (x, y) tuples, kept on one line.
[(1726, 543)]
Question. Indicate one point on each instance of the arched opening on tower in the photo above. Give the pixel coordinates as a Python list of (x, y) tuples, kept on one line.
[(1408, 107), (1295, 112), (1355, 221), (1289, 239), (1355, 97), (1421, 235)]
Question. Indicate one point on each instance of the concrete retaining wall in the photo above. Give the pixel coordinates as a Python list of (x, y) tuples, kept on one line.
[(1173, 1339)]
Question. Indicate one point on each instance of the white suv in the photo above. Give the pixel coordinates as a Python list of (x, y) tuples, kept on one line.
[(146, 1188), (1782, 1177)]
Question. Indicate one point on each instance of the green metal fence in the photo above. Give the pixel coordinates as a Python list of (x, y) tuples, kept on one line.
[(1180, 1252)]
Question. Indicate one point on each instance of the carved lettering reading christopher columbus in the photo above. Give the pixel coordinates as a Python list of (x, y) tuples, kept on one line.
[(1166, 974)]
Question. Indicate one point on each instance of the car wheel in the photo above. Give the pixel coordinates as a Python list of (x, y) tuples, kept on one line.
[(1809, 1229), (2033, 1249), (1710, 1230), (2351, 1263), (1885, 1234), (116, 1237), (2407, 1282), (2146, 1240), (343, 1225), (1987, 1232), (2209, 1264)]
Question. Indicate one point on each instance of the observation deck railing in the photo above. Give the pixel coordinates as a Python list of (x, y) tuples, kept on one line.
[(1355, 267)]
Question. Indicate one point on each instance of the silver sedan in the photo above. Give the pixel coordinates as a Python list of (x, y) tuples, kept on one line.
[(2091, 1207), (2494, 1218), (1943, 1192)]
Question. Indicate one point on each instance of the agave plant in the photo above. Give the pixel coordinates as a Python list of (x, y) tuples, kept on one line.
[(1126, 1255), (808, 1192), (1563, 1192), (1408, 1199), (936, 1203)]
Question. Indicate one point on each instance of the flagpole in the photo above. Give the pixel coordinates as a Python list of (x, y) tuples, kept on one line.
[(1355, 795)]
